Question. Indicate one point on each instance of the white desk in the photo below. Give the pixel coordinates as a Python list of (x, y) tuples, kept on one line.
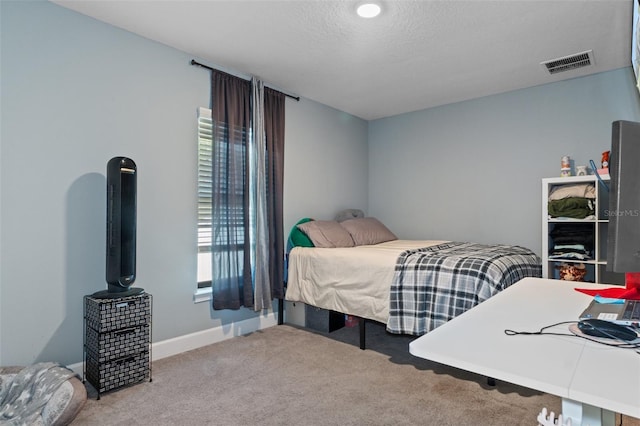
[(594, 380)]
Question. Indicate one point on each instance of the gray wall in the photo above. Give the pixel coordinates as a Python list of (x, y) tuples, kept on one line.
[(326, 162), (76, 92), (472, 171)]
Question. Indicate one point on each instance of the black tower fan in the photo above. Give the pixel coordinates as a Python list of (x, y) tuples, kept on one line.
[(121, 228)]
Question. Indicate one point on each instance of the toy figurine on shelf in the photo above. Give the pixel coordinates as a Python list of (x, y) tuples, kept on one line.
[(565, 166), (605, 159)]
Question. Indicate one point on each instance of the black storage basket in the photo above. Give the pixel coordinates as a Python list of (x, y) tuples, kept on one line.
[(118, 343), (119, 372), (118, 313)]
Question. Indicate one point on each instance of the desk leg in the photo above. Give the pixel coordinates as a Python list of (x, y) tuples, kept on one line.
[(586, 415)]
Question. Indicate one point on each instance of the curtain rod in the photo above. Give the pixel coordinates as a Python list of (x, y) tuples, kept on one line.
[(193, 62)]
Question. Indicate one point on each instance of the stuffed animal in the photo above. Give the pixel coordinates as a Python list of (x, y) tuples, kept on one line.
[(348, 214), (569, 272)]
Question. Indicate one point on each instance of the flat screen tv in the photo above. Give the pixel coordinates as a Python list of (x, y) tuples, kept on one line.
[(635, 42), (623, 242)]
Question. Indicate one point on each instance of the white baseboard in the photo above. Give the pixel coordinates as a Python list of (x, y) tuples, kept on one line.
[(202, 338), (177, 345)]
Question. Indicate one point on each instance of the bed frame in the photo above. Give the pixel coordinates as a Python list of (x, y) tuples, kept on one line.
[(361, 323)]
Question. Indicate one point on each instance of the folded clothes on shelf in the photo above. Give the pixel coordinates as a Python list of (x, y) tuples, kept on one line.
[(572, 207), (579, 190), (572, 241)]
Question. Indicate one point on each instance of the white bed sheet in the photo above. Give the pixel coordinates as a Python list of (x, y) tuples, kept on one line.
[(352, 280)]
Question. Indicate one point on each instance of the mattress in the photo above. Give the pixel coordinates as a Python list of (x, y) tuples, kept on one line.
[(354, 280)]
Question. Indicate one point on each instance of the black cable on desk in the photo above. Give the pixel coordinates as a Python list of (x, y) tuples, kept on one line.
[(541, 332)]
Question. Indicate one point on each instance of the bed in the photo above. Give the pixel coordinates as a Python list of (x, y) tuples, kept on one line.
[(412, 286)]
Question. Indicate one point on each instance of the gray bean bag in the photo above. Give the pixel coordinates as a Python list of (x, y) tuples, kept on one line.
[(41, 394)]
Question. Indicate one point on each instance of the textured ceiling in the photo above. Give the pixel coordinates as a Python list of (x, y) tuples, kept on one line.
[(415, 55)]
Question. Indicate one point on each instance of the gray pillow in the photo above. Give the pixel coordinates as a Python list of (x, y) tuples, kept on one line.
[(326, 234), (349, 214), (367, 230)]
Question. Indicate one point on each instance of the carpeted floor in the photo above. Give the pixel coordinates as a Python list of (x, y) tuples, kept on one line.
[(286, 375)]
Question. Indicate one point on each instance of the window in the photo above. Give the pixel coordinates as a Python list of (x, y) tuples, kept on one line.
[(205, 172), (206, 163)]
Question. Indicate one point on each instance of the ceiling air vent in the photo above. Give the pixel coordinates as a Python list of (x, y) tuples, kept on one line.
[(568, 63)]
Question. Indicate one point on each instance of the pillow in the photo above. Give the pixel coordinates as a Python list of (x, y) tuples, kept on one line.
[(367, 230), (326, 234), (297, 238)]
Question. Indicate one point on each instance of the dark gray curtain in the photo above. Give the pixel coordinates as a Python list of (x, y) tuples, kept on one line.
[(231, 228), (231, 264), (274, 112)]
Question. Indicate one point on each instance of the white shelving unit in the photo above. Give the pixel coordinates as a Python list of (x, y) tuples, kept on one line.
[(596, 268)]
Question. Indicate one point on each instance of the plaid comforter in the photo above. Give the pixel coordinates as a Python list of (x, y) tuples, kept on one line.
[(434, 284)]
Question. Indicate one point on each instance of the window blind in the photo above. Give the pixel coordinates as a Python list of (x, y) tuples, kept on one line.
[(215, 174), (205, 175)]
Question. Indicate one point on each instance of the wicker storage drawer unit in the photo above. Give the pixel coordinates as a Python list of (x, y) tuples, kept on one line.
[(113, 314), (117, 341), (105, 376)]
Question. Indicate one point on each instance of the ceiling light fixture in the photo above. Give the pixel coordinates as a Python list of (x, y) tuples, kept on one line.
[(369, 10)]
